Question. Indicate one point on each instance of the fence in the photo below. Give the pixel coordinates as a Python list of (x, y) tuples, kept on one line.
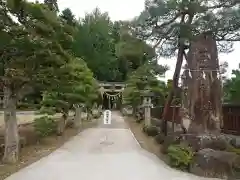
[(231, 117)]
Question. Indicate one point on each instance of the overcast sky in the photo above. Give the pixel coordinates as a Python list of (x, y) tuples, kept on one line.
[(128, 9)]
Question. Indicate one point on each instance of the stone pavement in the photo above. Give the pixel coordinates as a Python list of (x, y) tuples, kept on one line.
[(109, 152)]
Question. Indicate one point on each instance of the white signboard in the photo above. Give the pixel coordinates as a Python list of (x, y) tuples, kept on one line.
[(107, 117)]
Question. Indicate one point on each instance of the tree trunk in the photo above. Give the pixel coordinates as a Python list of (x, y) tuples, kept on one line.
[(89, 114), (77, 118), (62, 124), (174, 86), (134, 110), (11, 151), (205, 92)]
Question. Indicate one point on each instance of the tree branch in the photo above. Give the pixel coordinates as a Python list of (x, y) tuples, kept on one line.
[(224, 4), (185, 56), (170, 21), (228, 40)]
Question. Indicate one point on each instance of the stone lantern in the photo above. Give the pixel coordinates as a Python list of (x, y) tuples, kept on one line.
[(147, 105)]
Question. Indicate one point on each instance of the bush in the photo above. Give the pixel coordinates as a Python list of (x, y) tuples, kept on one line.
[(45, 126), (236, 162), (159, 138), (139, 117), (170, 139), (70, 123), (139, 120), (96, 116), (27, 106), (180, 156), (151, 130), (144, 129), (236, 167), (230, 148)]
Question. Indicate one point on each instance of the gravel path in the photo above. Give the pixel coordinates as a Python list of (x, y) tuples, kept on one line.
[(109, 152)]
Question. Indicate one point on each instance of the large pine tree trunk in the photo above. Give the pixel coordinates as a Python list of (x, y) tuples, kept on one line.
[(174, 86), (205, 88), (176, 72), (11, 151)]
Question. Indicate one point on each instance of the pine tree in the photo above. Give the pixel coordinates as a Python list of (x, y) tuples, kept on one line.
[(68, 16), (52, 5), (173, 25), (30, 56), (77, 87), (144, 77)]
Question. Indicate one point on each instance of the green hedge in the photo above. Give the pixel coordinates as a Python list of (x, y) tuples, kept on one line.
[(151, 130), (45, 126), (180, 156)]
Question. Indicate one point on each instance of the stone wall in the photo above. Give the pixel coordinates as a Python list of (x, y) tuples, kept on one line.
[(24, 117)]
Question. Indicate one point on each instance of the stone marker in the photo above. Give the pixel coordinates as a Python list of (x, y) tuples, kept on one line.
[(107, 117)]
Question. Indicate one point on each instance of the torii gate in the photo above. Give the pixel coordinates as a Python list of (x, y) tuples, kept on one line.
[(112, 91)]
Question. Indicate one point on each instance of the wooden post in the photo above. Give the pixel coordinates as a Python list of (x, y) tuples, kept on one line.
[(109, 107), (173, 118)]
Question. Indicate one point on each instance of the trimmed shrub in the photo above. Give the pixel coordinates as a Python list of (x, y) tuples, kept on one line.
[(96, 116), (70, 123), (45, 126), (236, 167), (144, 129), (139, 120), (170, 139), (151, 130), (230, 148), (159, 138), (180, 156)]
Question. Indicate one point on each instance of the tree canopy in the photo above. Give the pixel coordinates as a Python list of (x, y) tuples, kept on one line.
[(35, 52), (232, 87), (175, 26), (53, 57), (58, 58), (168, 23), (109, 48), (145, 78)]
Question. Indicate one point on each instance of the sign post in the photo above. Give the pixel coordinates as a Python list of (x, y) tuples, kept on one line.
[(107, 117)]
